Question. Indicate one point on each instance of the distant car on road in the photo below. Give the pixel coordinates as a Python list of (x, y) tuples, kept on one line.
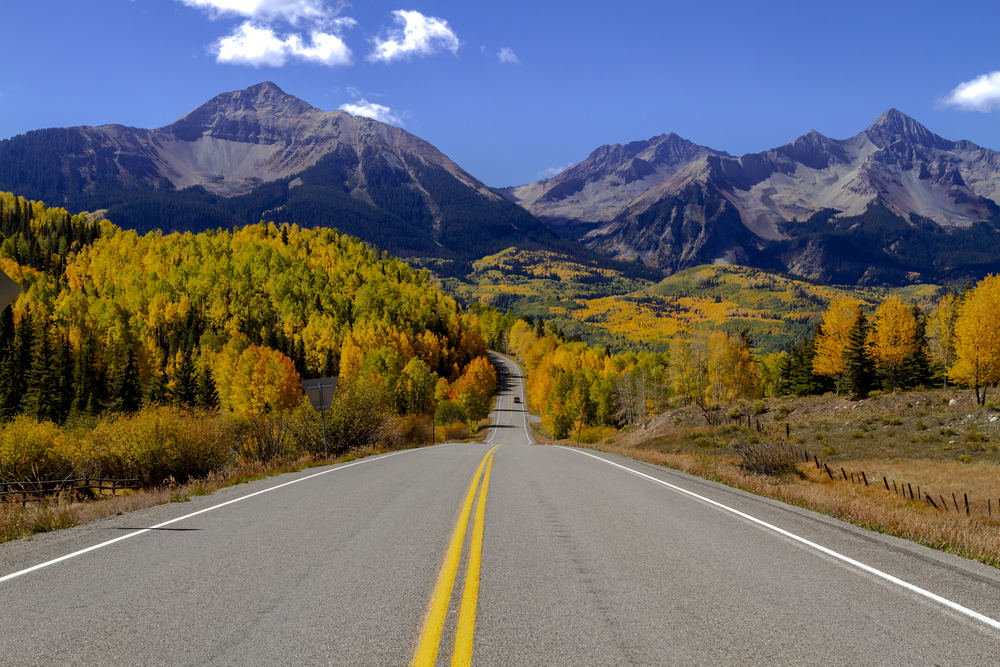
[(517, 399)]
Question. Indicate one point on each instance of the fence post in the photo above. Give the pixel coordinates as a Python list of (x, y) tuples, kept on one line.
[(864, 477), (886, 482), (944, 503), (828, 470), (966, 504)]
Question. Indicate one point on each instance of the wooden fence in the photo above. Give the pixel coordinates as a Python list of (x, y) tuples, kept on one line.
[(36, 491), (900, 488), (904, 489)]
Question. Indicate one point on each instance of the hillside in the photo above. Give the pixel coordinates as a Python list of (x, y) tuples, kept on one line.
[(109, 319), (777, 310)]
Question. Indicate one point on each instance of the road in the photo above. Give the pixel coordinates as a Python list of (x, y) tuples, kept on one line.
[(584, 559)]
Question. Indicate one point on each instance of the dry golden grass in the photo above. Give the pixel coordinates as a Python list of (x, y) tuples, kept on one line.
[(976, 537), (920, 439)]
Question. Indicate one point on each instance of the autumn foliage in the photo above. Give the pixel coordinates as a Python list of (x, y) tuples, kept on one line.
[(112, 326)]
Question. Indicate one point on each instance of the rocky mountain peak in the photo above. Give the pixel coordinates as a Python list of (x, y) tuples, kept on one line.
[(894, 126), (242, 115)]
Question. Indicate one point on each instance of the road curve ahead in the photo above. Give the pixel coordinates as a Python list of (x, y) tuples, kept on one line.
[(499, 553)]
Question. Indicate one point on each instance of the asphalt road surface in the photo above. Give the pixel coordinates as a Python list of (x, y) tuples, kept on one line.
[(577, 558)]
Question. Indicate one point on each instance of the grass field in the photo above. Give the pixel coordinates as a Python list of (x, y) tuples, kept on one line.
[(935, 443)]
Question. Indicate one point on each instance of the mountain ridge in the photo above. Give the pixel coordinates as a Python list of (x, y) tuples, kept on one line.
[(262, 154)]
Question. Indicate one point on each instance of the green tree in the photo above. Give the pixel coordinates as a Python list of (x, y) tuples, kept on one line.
[(41, 399), (185, 389), (84, 397), (917, 367), (126, 392), (208, 392), (859, 369)]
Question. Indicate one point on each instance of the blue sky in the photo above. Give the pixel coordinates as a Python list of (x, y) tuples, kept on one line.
[(514, 91)]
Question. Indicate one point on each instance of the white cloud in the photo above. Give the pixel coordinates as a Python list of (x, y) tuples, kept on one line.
[(980, 94), (553, 171), (420, 35), (292, 11), (371, 110), (259, 45), (507, 56)]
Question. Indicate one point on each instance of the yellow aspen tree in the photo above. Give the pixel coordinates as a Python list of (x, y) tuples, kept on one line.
[(732, 371), (832, 338), (892, 337), (941, 333), (977, 338), (688, 369), (351, 357)]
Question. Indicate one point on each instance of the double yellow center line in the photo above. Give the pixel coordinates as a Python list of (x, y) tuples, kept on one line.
[(430, 640)]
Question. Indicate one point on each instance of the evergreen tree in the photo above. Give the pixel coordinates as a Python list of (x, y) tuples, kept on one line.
[(8, 370), (208, 393), (802, 380), (156, 389), (329, 364), (539, 327), (40, 400), (17, 367), (126, 392), (185, 390), (6, 330), (859, 369), (783, 384), (917, 368), (84, 397), (62, 373)]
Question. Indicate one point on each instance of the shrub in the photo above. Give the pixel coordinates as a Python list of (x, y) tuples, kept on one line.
[(767, 456), (412, 430), (31, 450), (921, 426), (592, 434), (158, 443)]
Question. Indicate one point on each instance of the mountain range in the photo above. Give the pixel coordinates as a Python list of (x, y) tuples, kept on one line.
[(260, 153), (894, 204), (675, 204)]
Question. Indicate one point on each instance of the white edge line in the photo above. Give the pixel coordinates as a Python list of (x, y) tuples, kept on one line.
[(867, 568), (8, 577)]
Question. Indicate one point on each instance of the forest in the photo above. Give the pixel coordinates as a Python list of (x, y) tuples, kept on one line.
[(111, 323), (857, 350)]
